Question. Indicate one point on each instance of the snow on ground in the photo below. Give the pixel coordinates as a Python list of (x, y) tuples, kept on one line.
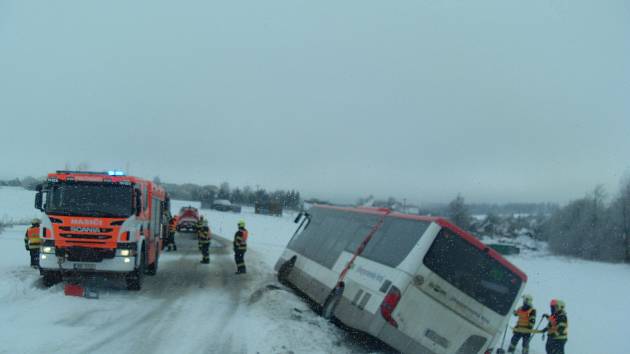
[(596, 296), (194, 308), (268, 235)]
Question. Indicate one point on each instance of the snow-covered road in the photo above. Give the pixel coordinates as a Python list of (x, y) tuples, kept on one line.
[(187, 307)]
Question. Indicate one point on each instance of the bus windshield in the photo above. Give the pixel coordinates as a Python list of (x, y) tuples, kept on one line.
[(89, 199), (473, 271)]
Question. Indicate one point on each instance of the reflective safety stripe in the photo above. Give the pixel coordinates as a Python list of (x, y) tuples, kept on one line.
[(240, 240), (525, 330), (525, 318), (558, 326), (33, 237)]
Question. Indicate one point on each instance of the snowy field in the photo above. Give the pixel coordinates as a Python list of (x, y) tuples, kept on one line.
[(194, 308), (17, 205)]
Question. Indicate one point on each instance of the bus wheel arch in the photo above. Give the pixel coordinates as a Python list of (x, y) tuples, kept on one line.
[(332, 301), (285, 270)]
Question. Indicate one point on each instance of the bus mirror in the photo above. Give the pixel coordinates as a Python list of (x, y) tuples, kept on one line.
[(298, 217), (38, 201)]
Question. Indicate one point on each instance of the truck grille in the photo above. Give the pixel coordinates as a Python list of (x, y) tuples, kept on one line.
[(86, 237), (80, 254), (85, 229)]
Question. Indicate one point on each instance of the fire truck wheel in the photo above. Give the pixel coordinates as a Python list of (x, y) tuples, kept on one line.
[(51, 278), (134, 278), (153, 267)]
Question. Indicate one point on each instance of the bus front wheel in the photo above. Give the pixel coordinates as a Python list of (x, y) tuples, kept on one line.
[(285, 270)]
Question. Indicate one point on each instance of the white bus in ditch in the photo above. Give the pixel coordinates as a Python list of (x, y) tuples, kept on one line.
[(420, 284)]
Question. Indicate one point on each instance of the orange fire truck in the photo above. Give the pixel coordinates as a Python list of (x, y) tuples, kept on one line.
[(100, 222)]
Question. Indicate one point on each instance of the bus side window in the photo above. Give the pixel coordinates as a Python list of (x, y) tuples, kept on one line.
[(394, 240), (336, 238), (365, 223)]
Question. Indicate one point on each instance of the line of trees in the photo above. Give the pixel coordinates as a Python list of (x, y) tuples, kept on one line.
[(247, 195), (593, 228), (29, 182)]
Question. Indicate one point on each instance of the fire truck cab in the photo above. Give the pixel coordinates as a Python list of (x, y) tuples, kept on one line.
[(100, 222)]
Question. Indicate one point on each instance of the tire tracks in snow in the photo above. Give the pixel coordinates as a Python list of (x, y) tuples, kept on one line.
[(195, 306)]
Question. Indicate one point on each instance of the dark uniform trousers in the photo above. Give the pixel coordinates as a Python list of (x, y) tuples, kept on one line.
[(555, 346), (34, 257), (240, 247), (204, 243), (239, 259)]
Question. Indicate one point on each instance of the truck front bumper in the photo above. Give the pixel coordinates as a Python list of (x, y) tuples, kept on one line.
[(49, 262)]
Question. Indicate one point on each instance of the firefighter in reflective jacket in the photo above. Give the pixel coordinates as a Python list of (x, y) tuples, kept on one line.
[(172, 229), (32, 242), (240, 247), (557, 328), (526, 320), (203, 236)]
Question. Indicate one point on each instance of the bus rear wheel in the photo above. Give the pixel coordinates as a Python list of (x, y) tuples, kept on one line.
[(331, 303)]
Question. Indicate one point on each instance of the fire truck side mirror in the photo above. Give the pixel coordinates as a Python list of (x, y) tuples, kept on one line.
[(138, 203), (38, 201)]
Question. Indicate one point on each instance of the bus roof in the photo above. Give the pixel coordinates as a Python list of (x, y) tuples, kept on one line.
[(440, 221)]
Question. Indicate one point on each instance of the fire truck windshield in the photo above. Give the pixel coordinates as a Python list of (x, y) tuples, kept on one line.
[(89, 199)]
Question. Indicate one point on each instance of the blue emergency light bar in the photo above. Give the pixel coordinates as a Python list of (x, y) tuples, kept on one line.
[(116, 173)]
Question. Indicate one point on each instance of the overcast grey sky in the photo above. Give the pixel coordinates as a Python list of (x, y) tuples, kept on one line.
[(500, 100)]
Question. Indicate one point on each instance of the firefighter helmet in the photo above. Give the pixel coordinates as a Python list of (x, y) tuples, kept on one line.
[(241, 223), (560, 305), (36, 221), (528, 299)]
